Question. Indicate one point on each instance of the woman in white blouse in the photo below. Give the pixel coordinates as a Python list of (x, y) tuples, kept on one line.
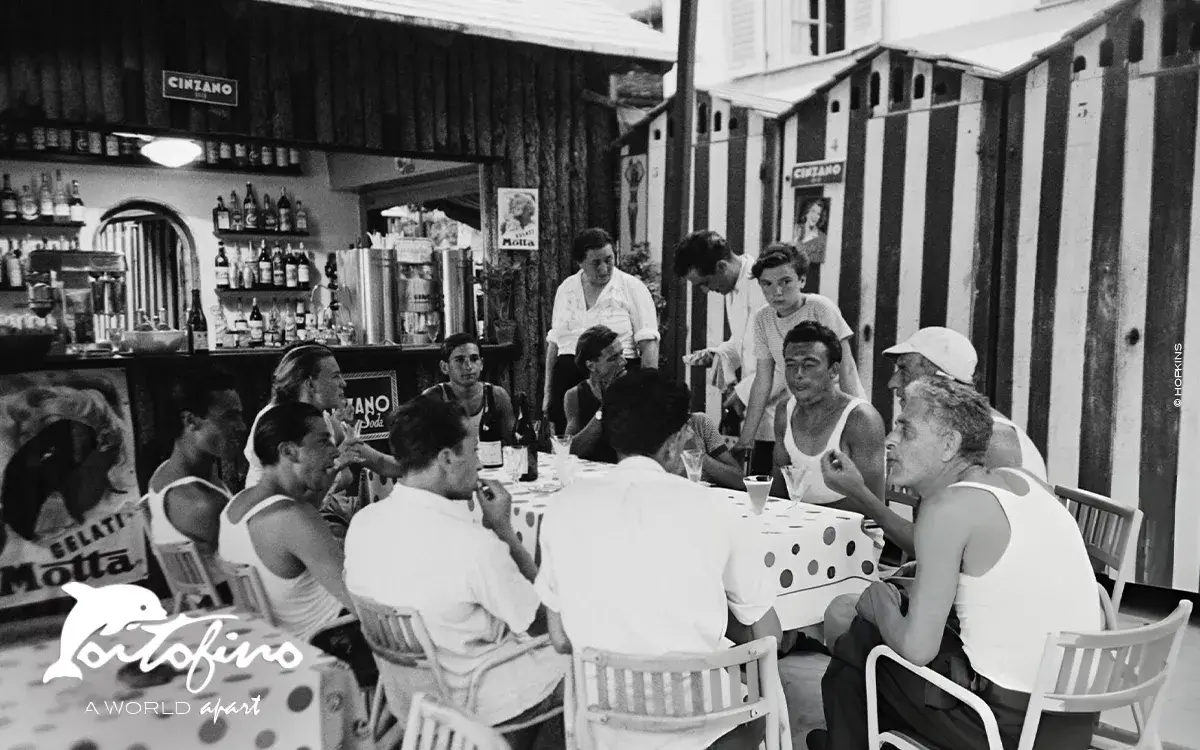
[(599, 294)]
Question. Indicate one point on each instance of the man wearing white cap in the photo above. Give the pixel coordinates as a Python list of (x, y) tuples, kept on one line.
[(944, 351)]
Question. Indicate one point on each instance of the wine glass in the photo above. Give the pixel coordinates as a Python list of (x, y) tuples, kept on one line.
[(794, 477), (693, 463)]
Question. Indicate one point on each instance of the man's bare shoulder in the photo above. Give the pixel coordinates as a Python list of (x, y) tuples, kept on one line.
[(864, 420)]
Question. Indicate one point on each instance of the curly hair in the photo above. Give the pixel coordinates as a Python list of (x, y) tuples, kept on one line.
[(953, 406)]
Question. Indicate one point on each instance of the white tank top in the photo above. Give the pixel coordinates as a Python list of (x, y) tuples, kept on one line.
[(817, 493), (162, 531), (1031, 457), (301, 604), (254, 472), (1042, 583)]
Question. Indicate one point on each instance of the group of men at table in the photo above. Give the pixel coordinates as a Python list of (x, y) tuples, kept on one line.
[(640, 560)]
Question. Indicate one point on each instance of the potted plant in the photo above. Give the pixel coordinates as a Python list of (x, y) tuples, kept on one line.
[(498, 277)]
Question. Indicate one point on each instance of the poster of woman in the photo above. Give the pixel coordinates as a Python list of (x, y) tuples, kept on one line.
[(518, 211), (67, 484), (812, 226)]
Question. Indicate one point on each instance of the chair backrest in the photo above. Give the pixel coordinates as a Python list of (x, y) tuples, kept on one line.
[(680, 692), (1110, 533), (248, 592), (185, 571), (398, 636), (434, 726), (1093, 672)]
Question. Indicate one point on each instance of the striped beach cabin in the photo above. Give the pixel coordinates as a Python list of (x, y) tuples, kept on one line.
[(734, 189)]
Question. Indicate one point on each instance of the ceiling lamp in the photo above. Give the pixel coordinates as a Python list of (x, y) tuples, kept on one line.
[(172, 152)]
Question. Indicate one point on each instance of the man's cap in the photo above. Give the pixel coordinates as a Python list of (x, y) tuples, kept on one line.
[(946, 348)]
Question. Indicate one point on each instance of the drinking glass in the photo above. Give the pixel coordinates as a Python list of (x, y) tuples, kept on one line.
[(514, 462), (758, 487), (564, 463), (693, 463), (794, 477)]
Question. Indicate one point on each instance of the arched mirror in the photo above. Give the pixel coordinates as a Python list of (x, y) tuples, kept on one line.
[(160, 254)]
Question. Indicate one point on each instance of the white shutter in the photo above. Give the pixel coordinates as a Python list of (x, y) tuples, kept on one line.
[(864, 23), (744, 19)]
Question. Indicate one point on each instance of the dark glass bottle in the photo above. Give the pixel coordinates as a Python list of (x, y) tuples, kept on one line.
[(525, 436), (491, 448), (197, 326)]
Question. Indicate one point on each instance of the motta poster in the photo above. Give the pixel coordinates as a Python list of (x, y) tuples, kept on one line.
[(518, 218), (372, 396), (67, 484)]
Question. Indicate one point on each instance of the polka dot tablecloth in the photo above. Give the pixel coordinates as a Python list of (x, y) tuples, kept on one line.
[(817, 553), (316, 705)]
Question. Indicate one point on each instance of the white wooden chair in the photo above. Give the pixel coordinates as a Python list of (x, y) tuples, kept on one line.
[(1079, 673), (1110, 533), (667, 693), (433, 726), (398, 636), (186, 574)]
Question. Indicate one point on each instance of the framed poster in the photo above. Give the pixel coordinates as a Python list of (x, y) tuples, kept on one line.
[(518, 212), (812, 224), (68, 484), (372, 397)]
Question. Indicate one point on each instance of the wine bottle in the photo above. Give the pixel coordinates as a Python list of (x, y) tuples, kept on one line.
[(525, 437), (265, 277), (269, 220), (62, 208), (301, 220), (221, 216), (284, 207), (235, 212), (222, 267), (302, 272), (278, 268), (301, 322), (250, 210), (10, 207), (291, 270), (76, 207), (256, 323), (240, 328), (197, 326), (490, 450)]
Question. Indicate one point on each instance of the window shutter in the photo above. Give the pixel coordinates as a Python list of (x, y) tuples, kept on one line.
[(745, 22), (864, 23)]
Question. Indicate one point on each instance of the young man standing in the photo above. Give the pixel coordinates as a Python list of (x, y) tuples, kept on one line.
[(705, 260), (598, 353), (781, 272)]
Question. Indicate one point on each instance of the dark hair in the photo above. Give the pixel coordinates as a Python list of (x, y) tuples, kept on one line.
[(283, 423), (700, 251), (810, 331), (589, 239), (642, 409), (422, 428), (459, 339), (299, 363), (779, 254), (193, 391), (592, 344)]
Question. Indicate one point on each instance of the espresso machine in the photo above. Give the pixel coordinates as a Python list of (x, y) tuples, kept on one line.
[(418, 291), (86, 291)]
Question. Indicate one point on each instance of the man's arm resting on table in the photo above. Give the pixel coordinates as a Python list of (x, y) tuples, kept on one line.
[(946, 525)]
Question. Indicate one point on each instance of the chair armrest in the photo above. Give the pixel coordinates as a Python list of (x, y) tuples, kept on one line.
[(533, 644), (990, 728), (343, 620)]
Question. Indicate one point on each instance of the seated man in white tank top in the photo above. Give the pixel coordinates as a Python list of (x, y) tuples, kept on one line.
[(274, 526), (819, 417), (186, 494), (993, 544)]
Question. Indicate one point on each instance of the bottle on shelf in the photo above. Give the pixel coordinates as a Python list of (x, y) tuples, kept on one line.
[(301, 219), (301, 322), (294, 157), (14, 267), (276, 325), (256, 324), (211, 154), (197, 326), (52, 139), (249, 268), (221, 216), (220, 331), (222, 267), (268, 156), (291, 270), (268, 218), (281, 157), (525, 437), (240, 328), (160, 320), (29, 204), (265, 277), (76, 207), (284, 208), (230, 339), (10, 206), (235, 212), (46, 199), (278, 268), (289, 326), (331, 271), (62, 208), (303, 279), (250, 210), (239, 154), (39, 138), (225, 156), (254, 156)]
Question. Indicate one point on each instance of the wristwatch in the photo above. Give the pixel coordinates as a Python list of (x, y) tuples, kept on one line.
[(596, 416)]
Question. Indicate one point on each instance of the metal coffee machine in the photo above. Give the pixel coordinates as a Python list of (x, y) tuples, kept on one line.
[(89, 292), (367, 292)]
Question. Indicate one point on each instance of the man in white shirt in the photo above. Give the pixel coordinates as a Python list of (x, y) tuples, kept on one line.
[(641, 561), (473, 584), (705, 259)]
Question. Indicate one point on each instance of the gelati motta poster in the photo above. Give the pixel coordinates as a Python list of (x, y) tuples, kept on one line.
[(518, 218), (66, 471)]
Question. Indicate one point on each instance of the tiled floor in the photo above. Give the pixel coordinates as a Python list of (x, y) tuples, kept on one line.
[(801, 674)]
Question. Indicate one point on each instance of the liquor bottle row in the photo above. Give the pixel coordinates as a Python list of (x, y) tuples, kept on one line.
[(247, 216), (14, 257), (43, 201), (235, 154), (270, 269), (276, 328)]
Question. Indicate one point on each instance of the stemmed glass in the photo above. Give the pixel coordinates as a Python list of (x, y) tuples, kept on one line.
[(794, 477), (693, 463)]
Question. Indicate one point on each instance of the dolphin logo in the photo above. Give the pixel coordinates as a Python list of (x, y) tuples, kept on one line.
[(107, 609)]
